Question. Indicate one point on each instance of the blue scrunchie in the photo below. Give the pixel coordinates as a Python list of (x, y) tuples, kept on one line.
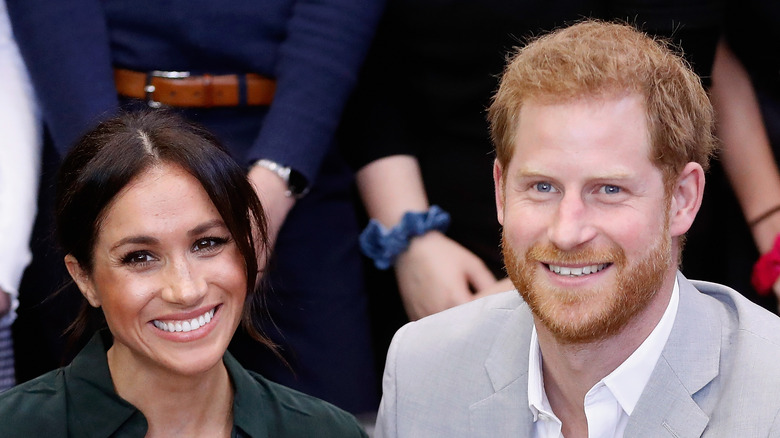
[(384, 246)]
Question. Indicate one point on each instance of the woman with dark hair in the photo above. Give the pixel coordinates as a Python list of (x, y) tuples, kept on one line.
[(161, 229)]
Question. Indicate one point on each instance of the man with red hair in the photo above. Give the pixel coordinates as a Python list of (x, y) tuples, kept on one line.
[(603, 136)]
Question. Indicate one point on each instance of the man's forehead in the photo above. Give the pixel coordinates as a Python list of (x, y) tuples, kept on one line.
[(607, 134), (592, 117)]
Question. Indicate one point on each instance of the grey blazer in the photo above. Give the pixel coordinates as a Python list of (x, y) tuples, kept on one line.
[(464, 372)]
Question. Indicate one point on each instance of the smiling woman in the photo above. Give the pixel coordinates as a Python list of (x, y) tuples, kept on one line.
[(162, 232)]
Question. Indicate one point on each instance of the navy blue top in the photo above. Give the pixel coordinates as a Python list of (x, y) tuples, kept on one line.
[(313, 48)]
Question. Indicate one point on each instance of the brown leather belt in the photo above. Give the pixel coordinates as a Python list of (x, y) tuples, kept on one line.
[(181, 89)]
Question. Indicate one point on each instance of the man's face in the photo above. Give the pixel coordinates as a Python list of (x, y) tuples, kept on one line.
[(585, 216)]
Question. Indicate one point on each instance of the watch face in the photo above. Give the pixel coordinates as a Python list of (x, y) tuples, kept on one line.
[(297, 183)]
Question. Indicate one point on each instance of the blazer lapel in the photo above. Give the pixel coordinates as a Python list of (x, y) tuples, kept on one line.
[(689, 361), (506, 412)]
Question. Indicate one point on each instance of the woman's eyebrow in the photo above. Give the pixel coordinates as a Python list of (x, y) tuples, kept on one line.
[(140, 240), (202, 228)]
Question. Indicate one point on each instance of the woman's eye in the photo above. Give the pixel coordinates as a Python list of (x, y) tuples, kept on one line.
[(137, 258), (209, 243), (544, 187), (610, 190)]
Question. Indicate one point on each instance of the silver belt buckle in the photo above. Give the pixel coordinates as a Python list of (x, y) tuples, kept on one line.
[(149, 88)]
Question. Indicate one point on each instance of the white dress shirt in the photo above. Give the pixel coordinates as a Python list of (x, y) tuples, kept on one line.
[(610, 402), (20, 150)]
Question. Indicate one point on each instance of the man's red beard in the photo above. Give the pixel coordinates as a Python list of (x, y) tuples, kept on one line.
[(572, 316)]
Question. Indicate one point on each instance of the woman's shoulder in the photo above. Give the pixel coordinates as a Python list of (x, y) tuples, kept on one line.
[(262, 404), (24, 406), (302, 413)]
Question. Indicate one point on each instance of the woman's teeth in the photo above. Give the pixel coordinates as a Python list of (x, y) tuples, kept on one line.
[(187, 325)]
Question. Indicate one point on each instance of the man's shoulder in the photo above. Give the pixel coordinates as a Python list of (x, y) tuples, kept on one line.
[(741, 314), (726, 352), (745, 337), (439, 367), (466, 333), (470, 321)]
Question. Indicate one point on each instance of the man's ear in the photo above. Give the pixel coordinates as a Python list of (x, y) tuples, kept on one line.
[(82, 279), (498, 182), (686, 199)]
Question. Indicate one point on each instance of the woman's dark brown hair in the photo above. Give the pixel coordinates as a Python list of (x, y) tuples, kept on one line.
[(118, 150)]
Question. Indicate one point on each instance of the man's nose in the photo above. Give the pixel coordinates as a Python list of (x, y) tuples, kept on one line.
[(183, 285), (571, 225)]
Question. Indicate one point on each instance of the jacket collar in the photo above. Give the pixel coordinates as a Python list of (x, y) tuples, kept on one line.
[(668, 405), (89, 381), (506, 412), (94, 407), (689, 362)]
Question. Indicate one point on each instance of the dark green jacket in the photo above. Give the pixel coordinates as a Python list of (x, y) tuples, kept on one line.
[(79, 401)]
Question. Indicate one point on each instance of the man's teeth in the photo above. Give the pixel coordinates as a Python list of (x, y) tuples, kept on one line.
[(576, 272), (185, 326)]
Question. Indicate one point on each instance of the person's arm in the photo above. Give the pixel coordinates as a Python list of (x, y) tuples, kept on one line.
[(65, 46), (318, 65), (746, 155), (20, 148), (435, 272)]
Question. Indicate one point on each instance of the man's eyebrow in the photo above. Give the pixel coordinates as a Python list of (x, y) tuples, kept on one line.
[(524, 172), (538, 173)]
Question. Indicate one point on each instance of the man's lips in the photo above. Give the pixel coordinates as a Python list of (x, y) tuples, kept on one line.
[(579, 271)]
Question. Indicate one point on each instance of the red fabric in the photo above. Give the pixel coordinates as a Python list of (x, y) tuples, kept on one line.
[(766, 271)]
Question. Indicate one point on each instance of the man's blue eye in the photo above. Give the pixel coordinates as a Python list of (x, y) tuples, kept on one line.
[(611, 190), (544, 187)]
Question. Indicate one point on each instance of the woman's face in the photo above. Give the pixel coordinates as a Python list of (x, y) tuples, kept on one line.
[(167, 274)]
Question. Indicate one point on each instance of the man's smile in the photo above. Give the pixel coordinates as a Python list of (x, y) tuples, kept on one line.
[(576, 271)]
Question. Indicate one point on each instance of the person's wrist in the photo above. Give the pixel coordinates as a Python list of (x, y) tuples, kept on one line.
[(765, 232), (419, 246), (296, 183), (276, 205), (766, 270), (384, 245)]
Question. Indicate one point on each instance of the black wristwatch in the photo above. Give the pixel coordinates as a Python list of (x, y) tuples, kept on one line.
[(297, 185)]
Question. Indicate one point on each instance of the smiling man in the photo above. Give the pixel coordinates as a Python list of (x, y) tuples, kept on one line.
[(602, 136)]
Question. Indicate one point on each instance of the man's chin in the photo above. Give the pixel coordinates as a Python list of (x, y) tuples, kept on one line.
[(578, 333), (577, 321)]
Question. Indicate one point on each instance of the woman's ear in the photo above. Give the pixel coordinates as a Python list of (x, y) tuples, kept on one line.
[(82, 280)]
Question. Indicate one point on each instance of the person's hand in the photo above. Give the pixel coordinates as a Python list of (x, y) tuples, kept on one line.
[(436, 273), (271, 191), (502, 285), (5, 303)]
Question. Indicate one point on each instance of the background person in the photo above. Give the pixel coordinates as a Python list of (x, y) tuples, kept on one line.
[(20, 150), (746, 95), (157, 222)]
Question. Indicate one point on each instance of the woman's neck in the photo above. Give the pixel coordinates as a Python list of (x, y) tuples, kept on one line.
[(176, 405)]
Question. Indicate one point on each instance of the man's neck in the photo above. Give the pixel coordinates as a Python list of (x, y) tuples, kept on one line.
[(571, 370)]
